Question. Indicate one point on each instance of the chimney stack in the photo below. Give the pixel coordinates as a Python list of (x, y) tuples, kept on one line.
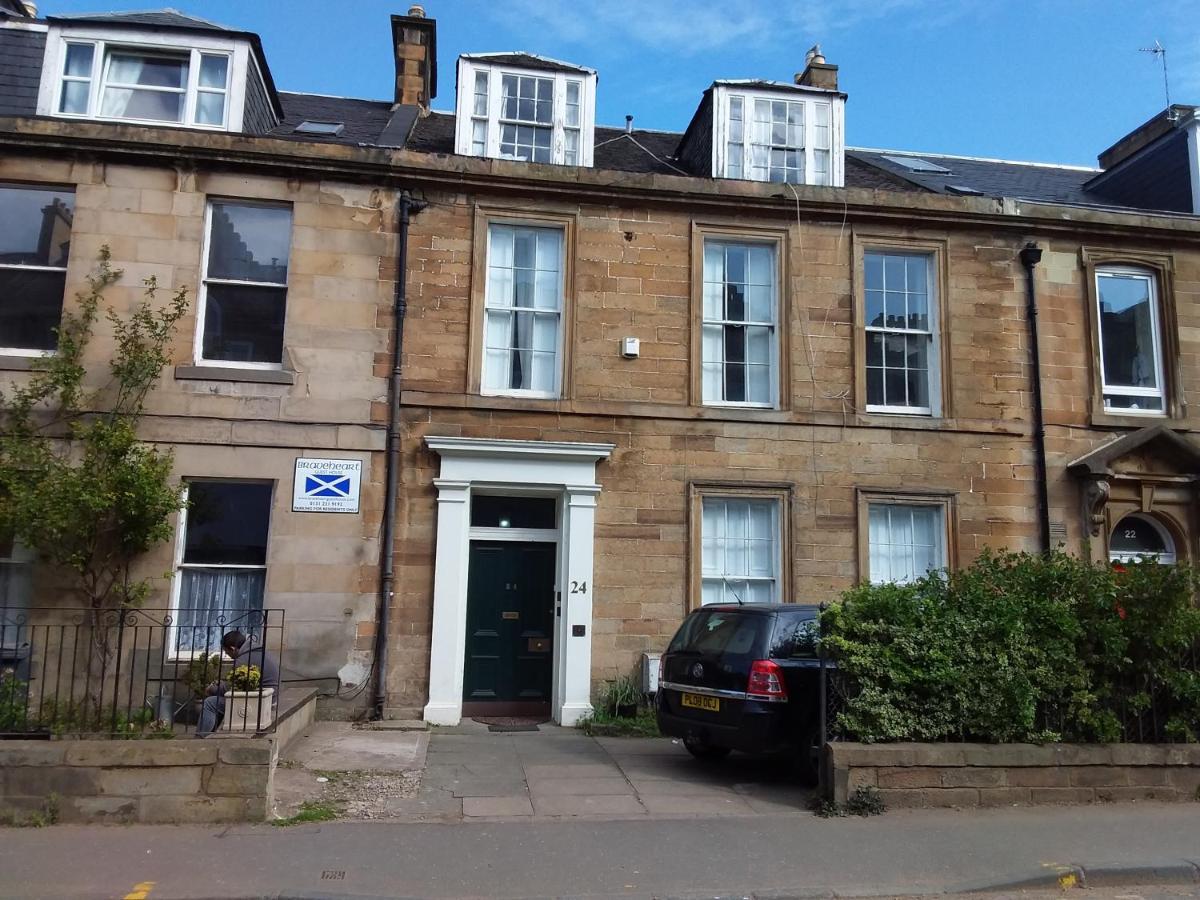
[(30, 8), (818, 73), (414, 42)]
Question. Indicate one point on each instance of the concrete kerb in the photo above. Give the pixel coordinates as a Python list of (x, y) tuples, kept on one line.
[(1166, 872)]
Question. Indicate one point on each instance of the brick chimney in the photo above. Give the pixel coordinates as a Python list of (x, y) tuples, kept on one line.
[(818, 73), (414, 41)]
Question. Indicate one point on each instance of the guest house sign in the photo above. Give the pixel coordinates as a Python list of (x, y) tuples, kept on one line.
[(326, 485)]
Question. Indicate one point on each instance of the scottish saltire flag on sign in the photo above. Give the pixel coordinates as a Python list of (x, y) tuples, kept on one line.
[(326, 485)]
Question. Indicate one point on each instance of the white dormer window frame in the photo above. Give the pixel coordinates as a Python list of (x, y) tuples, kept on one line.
[(481, 120), (199, 51), (810, 147)]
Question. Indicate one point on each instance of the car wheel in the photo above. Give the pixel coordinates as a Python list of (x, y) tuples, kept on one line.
[(703, 750)]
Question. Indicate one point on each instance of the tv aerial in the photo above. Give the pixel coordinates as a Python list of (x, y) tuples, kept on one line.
[(1160, 51)]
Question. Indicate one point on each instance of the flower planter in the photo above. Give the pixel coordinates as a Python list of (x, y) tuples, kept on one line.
[(248, 710)]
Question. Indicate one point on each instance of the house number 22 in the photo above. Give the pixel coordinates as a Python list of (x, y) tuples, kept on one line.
[(578, 587)]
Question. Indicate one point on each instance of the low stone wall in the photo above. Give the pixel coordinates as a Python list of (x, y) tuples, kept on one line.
[(150, 781), (933, 775)]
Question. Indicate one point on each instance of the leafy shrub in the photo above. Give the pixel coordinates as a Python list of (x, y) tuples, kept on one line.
[(1021, 647), (202, 671), (245, 678), (13, 696), (865, 801), (623, 691)]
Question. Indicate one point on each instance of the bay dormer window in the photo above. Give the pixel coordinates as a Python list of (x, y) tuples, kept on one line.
[(778, 133), (521, 107), (125, 76)]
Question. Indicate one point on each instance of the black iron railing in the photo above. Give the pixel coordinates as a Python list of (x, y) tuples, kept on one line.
[(136, 673)]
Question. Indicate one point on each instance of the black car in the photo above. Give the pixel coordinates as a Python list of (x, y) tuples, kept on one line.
[(745, 677)]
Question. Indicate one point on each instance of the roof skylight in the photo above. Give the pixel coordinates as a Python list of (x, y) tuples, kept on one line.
[(328, 129), (916, 164)]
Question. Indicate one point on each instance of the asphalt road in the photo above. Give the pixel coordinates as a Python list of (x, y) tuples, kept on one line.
[(899, 853)]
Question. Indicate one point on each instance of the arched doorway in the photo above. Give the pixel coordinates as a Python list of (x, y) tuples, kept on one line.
[(1138, 537)]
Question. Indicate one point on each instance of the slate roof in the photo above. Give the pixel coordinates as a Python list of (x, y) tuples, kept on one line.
[(365, 120), (642, 152), (990, 178), (167, 17), (653, 152), (529, 61)]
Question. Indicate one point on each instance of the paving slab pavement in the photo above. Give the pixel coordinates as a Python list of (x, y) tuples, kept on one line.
[(474, 774)]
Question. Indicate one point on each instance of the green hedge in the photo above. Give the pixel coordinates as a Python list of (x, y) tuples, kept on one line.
[(1021, 647)]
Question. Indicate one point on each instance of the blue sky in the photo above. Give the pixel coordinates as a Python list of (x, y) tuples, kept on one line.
[(1044, 80)]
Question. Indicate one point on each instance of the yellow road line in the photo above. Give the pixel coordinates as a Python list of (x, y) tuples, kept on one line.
[(140, 891)]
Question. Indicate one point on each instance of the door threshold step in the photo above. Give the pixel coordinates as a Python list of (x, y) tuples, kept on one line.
[(396, 725)]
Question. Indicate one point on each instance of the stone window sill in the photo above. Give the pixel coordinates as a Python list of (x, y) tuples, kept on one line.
[(17, 363), (223, 373)]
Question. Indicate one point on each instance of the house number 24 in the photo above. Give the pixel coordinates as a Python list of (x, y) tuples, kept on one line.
[(578, 587)]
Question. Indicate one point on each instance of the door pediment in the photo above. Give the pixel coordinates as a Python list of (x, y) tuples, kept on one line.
[(1146, 453)]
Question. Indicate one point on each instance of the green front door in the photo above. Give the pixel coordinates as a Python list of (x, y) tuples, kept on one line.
[(510, 626)]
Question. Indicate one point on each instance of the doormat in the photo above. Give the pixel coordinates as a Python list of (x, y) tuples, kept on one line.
[(511, 723)]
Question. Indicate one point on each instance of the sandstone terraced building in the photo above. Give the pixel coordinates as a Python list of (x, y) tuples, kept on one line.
[(639, 370)]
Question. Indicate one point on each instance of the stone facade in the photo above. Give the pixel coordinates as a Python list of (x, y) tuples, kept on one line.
[(969, 775), (330, 399), (633, 272), (145, 782)]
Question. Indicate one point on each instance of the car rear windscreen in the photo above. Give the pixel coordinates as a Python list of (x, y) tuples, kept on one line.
[(721, 631)]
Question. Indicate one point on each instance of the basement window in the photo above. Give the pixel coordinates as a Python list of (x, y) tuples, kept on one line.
[(325, 129)]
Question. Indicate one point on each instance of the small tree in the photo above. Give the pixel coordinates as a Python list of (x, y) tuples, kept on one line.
[(78, 487)]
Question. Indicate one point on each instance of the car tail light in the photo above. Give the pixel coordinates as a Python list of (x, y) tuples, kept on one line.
[(766, 680)]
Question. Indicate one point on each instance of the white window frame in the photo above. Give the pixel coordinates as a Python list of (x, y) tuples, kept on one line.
[(469, 66), (171, 651), (150, 43), (17, 556), (25, 351), (1151, 278), (202, 293), (774, 247), (513, 310), (811, 98), (941, 531), (934, 333), (776, 577), (1167, 557)]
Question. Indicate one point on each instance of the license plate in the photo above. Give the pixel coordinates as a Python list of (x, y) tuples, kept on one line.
[(699, 701)]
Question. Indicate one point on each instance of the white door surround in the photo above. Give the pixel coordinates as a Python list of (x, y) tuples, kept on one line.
[(564, 469)]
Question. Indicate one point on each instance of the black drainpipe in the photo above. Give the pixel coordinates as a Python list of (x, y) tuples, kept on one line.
[(1031, 255), (387, 566)]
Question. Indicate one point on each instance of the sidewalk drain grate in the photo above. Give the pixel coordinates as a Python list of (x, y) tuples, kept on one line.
[(504, 728)]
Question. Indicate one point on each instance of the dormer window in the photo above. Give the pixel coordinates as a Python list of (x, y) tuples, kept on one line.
[(137, 85), (522, 107), (120, 76), (778, 133)]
